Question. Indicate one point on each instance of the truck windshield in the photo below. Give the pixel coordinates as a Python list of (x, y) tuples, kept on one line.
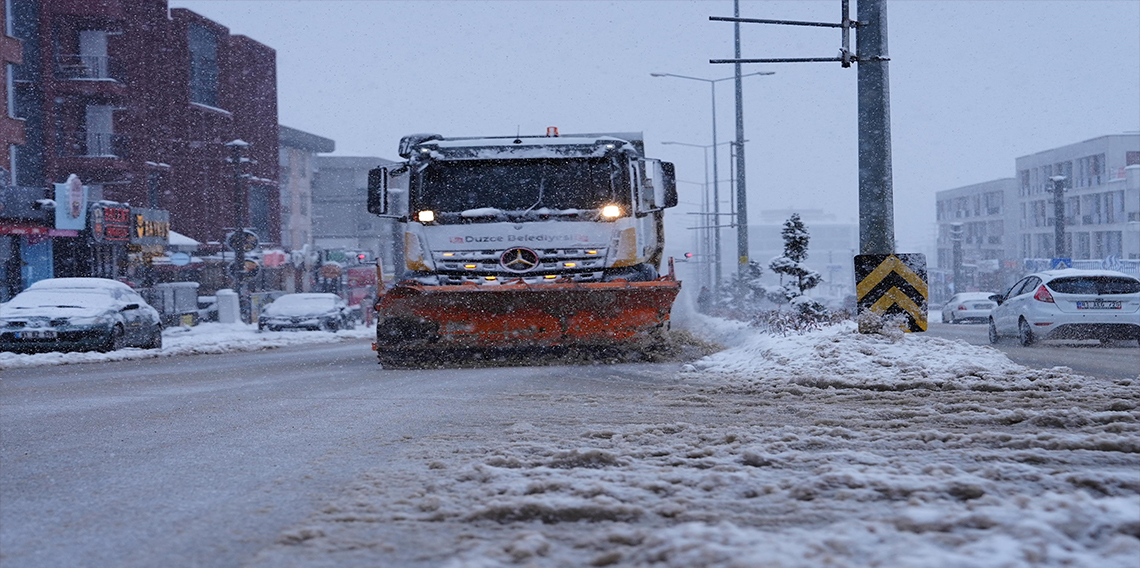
[(518, 185)]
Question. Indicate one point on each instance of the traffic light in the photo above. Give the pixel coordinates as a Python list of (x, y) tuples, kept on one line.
[(360, 257), (688, 255)]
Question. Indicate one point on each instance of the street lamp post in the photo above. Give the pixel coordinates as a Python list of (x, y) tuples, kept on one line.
[(237, 148), (716, 175), (711, 227)]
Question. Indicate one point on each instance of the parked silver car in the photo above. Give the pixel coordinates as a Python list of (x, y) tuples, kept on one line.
[(1068, 304), (78, 314), (305, 311)]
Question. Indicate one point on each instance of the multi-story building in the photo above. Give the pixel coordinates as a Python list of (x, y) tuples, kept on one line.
[(139, 101), (1007, 226), (1102, 207), (298, 151), (11, 126), (980, 217), (340, 216)]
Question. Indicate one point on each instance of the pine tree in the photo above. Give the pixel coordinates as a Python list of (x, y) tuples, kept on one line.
[(802, 278)]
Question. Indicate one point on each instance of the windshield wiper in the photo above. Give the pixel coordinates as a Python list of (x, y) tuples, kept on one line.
[(541, 188)]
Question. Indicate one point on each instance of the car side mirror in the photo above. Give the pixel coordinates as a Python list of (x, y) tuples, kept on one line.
[(129, 307), (998, 298)]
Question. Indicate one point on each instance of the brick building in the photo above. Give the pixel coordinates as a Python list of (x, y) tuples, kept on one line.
[(139, 100)]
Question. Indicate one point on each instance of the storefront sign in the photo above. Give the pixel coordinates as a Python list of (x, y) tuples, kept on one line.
[(150, 227), (71, 204), (110, 223)]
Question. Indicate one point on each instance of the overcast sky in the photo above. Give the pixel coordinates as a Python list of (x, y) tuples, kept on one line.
[(973, 84)]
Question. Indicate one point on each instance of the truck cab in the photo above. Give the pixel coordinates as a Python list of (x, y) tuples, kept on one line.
[(537, 209)]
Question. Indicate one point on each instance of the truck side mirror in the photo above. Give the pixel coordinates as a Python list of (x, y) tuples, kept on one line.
[(669, 178), (378, 191)]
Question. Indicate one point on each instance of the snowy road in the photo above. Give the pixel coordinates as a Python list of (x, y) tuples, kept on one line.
[(1118, 360), (830, 448)]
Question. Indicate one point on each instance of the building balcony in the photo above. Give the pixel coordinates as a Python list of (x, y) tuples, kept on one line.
[(73, 67), (93, 145)]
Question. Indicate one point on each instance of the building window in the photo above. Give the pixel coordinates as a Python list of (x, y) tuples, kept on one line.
[(203, 65), (10, 88), (1130, 158), (100, 130)]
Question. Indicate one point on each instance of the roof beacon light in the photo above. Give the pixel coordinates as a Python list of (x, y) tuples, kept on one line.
[(425, 216), (552, 132), (611, 211)]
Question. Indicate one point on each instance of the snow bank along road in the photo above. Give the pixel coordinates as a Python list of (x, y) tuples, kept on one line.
[(831, 448)]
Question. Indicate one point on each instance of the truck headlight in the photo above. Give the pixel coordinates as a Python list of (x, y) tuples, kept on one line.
[(425, 216), (611, 211)]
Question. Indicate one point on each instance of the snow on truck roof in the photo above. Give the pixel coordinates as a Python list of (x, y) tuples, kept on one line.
[(489, 147)]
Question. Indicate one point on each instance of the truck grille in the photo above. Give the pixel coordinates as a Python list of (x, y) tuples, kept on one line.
[(485, 266)]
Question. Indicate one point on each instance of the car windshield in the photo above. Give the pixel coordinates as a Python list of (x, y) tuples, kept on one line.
[(78, 298), (542, 183), (299, 305), (1095, 285)]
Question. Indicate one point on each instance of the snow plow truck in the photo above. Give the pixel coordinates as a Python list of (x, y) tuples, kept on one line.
[(521, 242)]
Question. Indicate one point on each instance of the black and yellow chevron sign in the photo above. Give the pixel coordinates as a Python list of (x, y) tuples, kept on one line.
[(890, 284)]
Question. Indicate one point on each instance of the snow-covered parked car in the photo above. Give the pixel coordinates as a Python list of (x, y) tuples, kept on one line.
[(968, 307), (305, 311), (78, 314), (1068, 304)]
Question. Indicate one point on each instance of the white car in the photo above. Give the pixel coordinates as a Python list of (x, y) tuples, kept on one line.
[(968, 306), (1069, 304)]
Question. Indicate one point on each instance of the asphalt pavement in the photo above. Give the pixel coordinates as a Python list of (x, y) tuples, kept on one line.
[(1118, 360)]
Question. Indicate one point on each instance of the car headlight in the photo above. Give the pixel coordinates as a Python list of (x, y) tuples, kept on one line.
[(90, 320)]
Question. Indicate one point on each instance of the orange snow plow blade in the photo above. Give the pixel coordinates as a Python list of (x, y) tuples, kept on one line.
[(517, 315)]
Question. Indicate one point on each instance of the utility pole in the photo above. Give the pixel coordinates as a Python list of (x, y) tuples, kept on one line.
[(237, 147), (1059, 248), (741, 190), (876, 192)]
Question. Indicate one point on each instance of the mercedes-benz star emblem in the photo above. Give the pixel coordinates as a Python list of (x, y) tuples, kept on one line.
[(519, 260)]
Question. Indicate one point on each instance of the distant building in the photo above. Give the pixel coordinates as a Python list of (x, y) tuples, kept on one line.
[(983, 216), (340, 216), (297, 151), (1007, 225), (1102, 203), (139, 101)]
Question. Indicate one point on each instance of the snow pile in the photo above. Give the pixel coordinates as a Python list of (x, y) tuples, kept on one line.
[(202, 338), (839, 357), (830, 448)]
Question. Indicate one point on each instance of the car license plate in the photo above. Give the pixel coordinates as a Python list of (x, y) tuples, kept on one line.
[(1099, 305), (37, 334), (981, 306)]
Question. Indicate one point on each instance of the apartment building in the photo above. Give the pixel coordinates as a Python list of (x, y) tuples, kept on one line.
[(297, 157), (139, 101)]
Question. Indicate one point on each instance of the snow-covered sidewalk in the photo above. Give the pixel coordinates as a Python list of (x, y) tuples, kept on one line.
[(202, 338)]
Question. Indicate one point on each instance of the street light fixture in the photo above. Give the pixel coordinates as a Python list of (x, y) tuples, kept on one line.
[(716, 175)]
